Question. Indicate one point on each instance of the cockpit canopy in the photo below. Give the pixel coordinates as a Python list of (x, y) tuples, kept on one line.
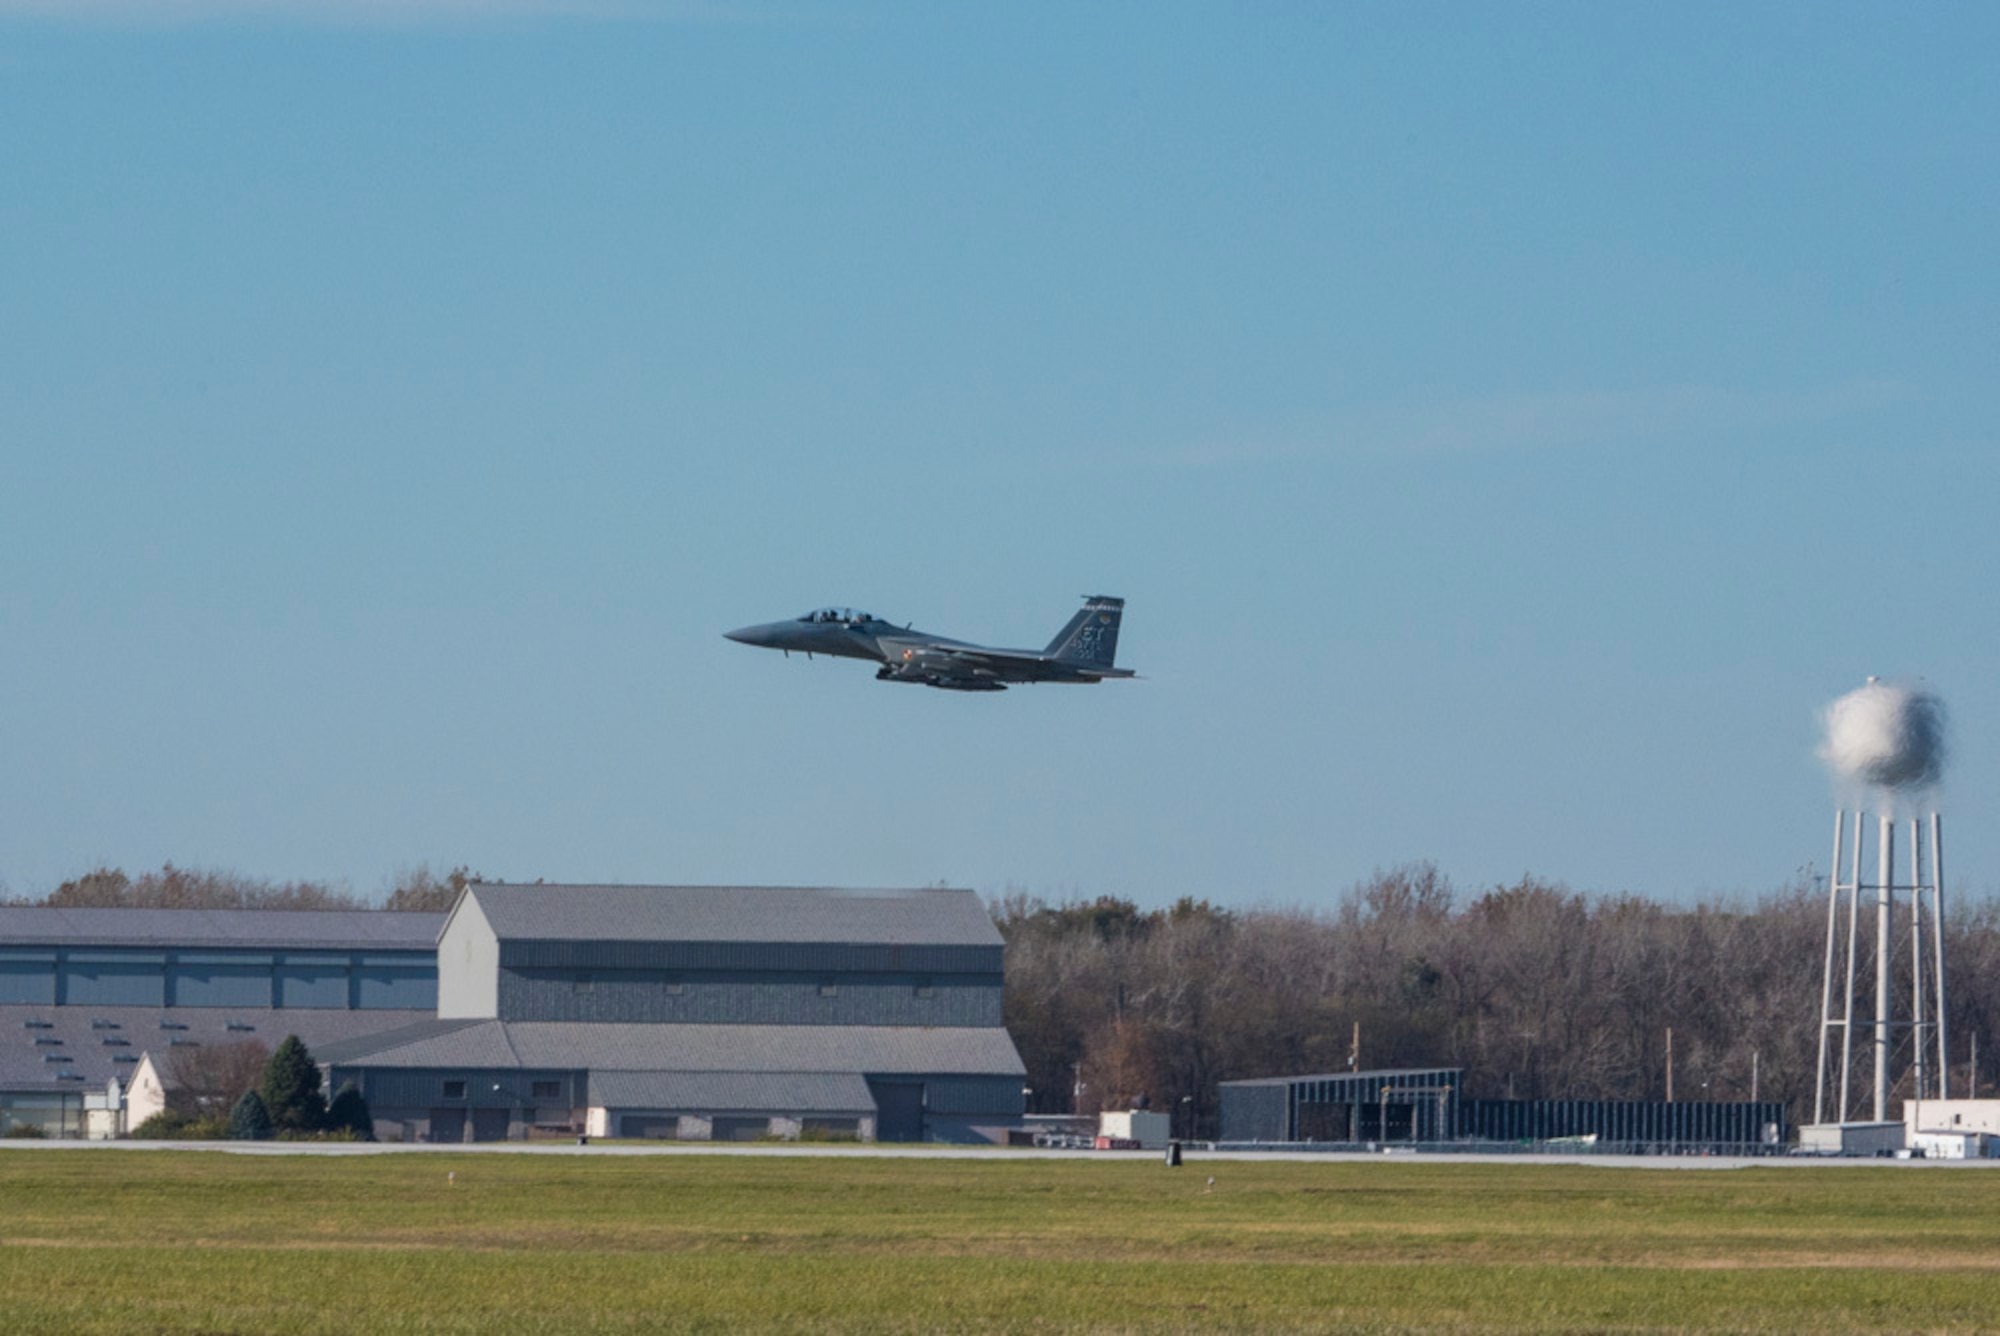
[(848, 616)]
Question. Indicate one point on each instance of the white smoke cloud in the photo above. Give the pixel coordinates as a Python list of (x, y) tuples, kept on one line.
[(1886, 736)]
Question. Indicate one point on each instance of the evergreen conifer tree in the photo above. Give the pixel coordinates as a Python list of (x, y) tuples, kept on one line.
[(292, 1089), (349, 1112), (250, 1120)]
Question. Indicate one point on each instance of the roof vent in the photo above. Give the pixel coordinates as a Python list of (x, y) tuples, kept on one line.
[(101, 1024), (57, 1057), (241, 1027), (184, 1043), (38, 1025), (173, 1025)]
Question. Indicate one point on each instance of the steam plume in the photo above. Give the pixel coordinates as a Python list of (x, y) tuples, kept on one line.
[(1887, 736)]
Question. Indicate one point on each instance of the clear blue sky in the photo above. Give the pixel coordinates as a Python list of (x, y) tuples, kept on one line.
[(1509, 425)]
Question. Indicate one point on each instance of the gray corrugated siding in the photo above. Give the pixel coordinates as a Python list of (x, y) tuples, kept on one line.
[(732, 1092), (992, 1096), (422, 1088), (771, 999), (1256, 1113), (790, 957)]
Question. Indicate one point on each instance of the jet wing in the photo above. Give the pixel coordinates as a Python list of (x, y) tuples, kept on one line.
[(1004, 665)]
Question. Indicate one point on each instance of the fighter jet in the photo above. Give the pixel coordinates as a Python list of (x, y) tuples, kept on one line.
[(1081, 652)]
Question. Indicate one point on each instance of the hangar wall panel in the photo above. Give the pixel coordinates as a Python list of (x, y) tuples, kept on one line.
[(379, 987), (92, 984), (840, 998), (1256, 1113), (998, 1097), (778, 957), (322, 985), (468, 963), (222, 986), (31, 981)]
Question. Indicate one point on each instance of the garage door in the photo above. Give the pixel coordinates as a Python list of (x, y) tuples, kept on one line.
[(660, 1126), (899, 1110), (740, 1129), (447, 1125), (489, 1124)]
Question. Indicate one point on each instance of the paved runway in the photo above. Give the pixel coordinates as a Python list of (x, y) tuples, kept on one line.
[(1192, 1156)]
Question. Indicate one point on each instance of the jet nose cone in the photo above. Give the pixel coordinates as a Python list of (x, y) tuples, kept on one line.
[(750, 635)]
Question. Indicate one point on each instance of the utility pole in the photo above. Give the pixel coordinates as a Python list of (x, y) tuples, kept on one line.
[(1670, 1064), (1753, 1076)]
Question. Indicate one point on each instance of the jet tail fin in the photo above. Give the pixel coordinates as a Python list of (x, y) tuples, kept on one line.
[(1091, 637)]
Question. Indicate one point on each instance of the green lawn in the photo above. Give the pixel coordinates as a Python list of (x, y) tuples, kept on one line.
[(142, 1241)]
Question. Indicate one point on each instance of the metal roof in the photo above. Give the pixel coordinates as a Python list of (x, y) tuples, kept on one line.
[(79, 1034), (268, 929), (935, 917), (730, 1092), (608, 1046)]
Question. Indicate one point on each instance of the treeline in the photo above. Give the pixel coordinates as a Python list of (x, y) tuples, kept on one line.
[(1535, 990), (415, 891)]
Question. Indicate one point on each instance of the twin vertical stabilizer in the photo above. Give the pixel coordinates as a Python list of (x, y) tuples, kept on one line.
[(1092, 635)]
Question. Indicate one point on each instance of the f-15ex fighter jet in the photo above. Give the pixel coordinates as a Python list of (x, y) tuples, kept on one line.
[(1081, 652)]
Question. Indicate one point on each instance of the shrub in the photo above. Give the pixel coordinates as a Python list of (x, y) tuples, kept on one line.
[(165, 1125), (349, 1113), (26, 1132), (292, 1089), (170, 1126), (250, 1120)]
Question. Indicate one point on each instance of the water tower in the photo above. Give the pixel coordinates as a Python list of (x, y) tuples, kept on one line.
[(1882, 996)]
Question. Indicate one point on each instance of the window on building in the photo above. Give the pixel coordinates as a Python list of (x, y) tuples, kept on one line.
[(586, 984), (454, 1090), (545, 1089), (925, 989), (828, 988), (673, 987)]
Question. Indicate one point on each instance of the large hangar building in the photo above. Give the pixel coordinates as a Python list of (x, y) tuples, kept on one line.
[(702, 1013), (87, 994)]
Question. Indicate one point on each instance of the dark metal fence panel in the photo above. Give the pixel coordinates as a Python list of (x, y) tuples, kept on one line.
[(1626, 1122)]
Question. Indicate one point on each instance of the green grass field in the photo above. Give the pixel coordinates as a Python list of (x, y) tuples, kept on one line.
[(121, 1241)]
